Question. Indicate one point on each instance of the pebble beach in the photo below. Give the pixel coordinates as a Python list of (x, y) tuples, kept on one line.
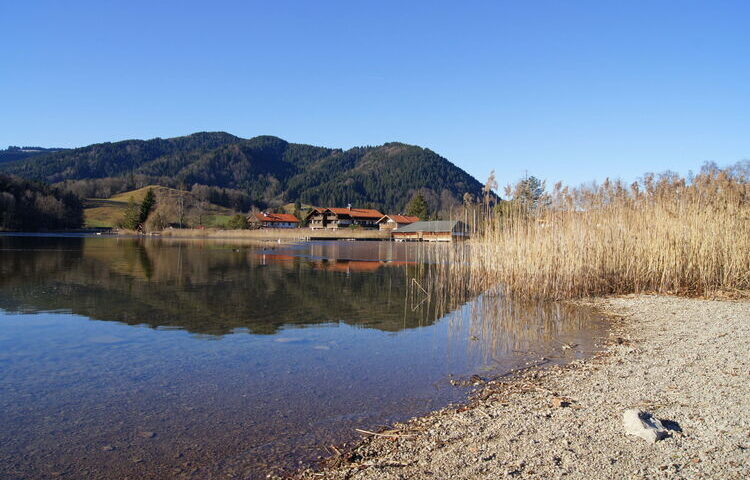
[(684, 361)]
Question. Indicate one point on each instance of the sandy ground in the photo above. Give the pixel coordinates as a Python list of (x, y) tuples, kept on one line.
[(685, 361)]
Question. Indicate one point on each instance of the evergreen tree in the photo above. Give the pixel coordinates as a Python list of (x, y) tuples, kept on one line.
[(131, 218), (136, 215), (528, 192), (146, 206), (417, 207)]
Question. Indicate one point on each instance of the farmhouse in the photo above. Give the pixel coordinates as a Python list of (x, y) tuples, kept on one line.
[(335, 218), (272, 220), (348, 266), (389, 222), (436, 231)]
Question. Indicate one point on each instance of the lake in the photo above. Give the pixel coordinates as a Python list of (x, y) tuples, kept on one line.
[(155, 358)]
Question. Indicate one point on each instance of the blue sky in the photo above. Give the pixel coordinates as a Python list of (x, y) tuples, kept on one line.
[(566, 90)]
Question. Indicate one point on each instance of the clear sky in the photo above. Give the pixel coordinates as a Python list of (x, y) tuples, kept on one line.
[(566, 90)]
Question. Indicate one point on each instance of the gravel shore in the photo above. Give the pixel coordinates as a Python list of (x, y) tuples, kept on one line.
[(686, 361)]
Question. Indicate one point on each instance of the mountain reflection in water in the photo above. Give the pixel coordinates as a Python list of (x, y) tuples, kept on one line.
[(204, 286), (309, 342)]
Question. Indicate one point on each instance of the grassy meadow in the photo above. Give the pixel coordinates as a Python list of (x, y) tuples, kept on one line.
[(108, 212)]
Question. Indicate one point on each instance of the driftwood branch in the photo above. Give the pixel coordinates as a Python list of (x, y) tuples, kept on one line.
[(389, 435)]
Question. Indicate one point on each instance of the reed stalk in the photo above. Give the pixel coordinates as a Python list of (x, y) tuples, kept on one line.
[(663, 234)]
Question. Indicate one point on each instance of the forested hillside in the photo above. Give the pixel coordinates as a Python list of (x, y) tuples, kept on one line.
[(12, 154), (31, 206), (262, 171), (111, 159)]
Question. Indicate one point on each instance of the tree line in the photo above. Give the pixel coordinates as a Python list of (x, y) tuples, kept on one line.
[(33, 206)]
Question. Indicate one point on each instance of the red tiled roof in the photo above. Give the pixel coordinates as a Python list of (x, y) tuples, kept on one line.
[(276, 217), (402, 219), (357, 212), (274, 258), (349, 266)]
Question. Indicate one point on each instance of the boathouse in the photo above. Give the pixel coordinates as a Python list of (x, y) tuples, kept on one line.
[(433, 231), (390, 222)]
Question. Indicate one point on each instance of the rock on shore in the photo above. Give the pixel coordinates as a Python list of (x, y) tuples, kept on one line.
[(685, 361)]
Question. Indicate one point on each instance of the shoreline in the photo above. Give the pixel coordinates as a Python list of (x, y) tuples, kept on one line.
[(683, 360), (274, 235), (299, 234)]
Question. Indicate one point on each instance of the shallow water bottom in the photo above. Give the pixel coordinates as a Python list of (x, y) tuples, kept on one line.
[(150, 360)]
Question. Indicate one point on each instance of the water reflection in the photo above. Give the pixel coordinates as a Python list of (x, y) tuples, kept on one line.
[(498, 329), (309, 342), (208, 287)]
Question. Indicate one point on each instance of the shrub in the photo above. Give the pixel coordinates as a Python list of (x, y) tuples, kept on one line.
[(237, 222)]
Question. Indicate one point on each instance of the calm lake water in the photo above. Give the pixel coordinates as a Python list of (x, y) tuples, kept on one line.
[(148, 358)]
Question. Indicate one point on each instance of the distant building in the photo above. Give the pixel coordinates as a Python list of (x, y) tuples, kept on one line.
[(272, 220), (348, 266), (335, 218), (435, 231), (389, 222)]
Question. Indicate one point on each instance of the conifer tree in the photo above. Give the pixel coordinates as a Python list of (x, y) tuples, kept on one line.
[(131, 218), (146, 206), (417, 207)]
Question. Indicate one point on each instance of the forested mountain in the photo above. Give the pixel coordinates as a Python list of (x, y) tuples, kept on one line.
[(31, 206), (12, 154), (111, 159), (269, 170)]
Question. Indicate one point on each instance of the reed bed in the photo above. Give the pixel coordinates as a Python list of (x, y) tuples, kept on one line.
[(663, 234)]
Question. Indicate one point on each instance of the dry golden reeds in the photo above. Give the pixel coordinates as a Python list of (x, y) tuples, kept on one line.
[(663, 234)]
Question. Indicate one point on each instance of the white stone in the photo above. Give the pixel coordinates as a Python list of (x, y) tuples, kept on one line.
[(642, 424)]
